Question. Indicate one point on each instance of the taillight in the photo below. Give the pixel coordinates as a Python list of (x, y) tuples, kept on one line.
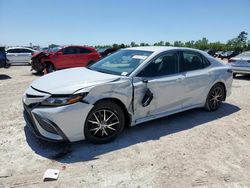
[(231, 60)]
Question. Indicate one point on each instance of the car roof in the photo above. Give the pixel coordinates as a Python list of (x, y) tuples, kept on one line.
[(80, 46), (159, 49), (19, 47)]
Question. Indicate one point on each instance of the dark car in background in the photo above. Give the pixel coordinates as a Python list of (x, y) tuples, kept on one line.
[(106, 51), (229, 54), (218, 54), (210, 52), (64, 57), (3, 58)]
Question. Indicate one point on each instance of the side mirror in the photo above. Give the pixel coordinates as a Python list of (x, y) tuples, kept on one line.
[(59, 53)]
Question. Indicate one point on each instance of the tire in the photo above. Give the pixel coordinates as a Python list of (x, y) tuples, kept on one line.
[(50, 68), (96, 130), (215, 97)]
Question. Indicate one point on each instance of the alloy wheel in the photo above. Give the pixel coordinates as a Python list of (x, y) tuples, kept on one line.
[(103, 123), (216, 98)]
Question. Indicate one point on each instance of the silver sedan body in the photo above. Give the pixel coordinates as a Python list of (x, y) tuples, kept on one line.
[(19, 55), (168, 90), (241, 63)]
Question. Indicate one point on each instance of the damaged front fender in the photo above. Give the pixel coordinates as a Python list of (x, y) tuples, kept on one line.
[(36, 61)]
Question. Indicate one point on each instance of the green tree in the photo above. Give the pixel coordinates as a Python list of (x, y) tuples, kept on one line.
[(53, 45), (202, 44), (161, 43), (167, 44), (189, 44), (178, 44), (133, 44), (144, 44), (115, 46)]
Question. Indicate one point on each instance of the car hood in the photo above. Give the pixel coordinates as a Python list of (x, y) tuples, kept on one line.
[(70, 80), (35, 54)]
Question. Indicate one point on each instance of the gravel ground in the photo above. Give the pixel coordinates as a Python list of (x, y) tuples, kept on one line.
[(190, 149)]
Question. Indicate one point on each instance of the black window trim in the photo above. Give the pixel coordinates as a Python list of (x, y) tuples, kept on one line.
[(63, 50)]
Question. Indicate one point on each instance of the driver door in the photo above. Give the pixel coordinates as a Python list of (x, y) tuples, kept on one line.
[(66, 59), (162, 78)]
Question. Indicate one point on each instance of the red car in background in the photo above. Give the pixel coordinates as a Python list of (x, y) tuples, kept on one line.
[(64, 57)]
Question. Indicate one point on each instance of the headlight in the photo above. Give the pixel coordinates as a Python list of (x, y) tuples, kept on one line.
[(60, 101)]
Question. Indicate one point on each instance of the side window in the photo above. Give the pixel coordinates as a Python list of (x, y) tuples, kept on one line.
[(24, 51), (83, 51), (67, 51), (13, 51), (192, 61), (164, 65)]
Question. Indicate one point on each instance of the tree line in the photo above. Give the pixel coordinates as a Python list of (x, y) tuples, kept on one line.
[(239, 43)]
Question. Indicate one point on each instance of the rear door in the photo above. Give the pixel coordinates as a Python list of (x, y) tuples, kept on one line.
[(67, 58), (83, 56), (198, 77), (24, 55), (13, 55)]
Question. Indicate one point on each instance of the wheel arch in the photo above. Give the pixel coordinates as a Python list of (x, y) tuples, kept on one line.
[(123, 107), (49, 62), (224, 87)]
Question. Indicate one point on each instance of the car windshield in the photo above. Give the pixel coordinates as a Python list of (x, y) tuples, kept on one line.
[(55, 49), (122, 62), (244, 55)]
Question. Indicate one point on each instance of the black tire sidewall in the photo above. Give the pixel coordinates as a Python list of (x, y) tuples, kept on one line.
[(50, 68), (208, 106), (109, 105)]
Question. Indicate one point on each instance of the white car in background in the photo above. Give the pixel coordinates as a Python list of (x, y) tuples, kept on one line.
[(19, 55), (128, 87), (241, 63)]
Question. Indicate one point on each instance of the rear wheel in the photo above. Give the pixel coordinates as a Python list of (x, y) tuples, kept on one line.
[(104, 122), (215, 97)]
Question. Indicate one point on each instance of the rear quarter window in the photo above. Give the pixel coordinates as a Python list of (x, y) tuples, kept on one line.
[(191, 60)]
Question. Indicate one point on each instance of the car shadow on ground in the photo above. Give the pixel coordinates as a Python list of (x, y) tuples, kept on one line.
[(4, 77), (38, 73), (153, 130)]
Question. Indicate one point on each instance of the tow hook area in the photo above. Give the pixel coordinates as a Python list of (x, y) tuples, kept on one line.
[(148, 96)]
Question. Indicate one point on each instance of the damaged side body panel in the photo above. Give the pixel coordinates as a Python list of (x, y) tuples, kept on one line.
[(119, 89)]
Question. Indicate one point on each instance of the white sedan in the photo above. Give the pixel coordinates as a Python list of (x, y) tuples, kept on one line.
[(129, 87), (241, 63), (19, 55)]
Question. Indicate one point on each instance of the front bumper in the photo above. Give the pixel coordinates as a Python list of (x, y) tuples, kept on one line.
[(63, 123)]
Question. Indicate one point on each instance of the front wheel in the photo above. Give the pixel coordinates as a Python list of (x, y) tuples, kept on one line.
[(215, 97), (104, 122), (50, 68)]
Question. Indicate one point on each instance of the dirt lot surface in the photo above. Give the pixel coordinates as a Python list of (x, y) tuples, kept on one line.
[(191, 149)]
